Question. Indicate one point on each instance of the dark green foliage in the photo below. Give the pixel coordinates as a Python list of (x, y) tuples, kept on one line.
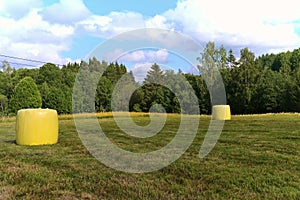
[(267, 61), (55, 86), (243, 83), (111, 74), (295, 59), (201, 92), (26, 95), (69, 73), (269, 83), (153, 90), (85, 90), (122, 92), (3, 83), (103, 97), (265, 97), (56, 98), (296, 76), (156, 90), (3, 104), (50, 74), (6, 85)]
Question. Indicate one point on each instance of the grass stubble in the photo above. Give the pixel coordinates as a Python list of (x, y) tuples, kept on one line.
[(256, 157)]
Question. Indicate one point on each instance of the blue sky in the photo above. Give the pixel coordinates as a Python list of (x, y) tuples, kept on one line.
[(62, 31), (148, 8)]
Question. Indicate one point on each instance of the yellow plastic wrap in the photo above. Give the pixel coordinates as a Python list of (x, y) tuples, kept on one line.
[(221, 112), (36, 127)]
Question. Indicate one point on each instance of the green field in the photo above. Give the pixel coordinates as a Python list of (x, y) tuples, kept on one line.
[(256, 157)]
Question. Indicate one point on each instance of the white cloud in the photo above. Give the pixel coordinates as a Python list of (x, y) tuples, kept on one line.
[(66, 11), (112, 24), (94, 23), (9, 8), (61, 31), (263, 24), (159, 21), (32, 37), (29, 30), (110, 56), (160, 56), (140, 70), (136, 56)]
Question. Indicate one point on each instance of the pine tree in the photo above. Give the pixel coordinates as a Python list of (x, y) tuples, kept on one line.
[(155, 75)]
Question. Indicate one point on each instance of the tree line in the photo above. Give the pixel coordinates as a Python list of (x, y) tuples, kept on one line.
[(268, 83)]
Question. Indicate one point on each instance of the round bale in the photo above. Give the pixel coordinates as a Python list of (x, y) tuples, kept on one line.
[(221, 112), (36, 127)]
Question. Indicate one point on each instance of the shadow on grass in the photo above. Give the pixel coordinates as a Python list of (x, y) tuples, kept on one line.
[(10, 141)]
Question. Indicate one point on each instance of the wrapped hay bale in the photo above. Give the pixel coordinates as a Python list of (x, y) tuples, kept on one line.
[(36, 127), (221, 112)]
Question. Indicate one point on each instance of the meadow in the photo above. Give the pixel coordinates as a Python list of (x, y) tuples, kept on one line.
[(256, 157)]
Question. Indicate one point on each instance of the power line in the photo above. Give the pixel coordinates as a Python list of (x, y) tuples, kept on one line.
[(25, 59), (18, 58), (22, 64)]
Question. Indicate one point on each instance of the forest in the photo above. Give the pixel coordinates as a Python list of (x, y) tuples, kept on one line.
[(269, 83)]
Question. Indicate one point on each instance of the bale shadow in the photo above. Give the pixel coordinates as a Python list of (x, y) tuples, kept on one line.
[(10, 141)]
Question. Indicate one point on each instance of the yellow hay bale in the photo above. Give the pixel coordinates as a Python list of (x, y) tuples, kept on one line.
[(36, 127), (221, 112)]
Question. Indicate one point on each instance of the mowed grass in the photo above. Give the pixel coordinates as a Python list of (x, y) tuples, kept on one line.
[(256, 157)]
